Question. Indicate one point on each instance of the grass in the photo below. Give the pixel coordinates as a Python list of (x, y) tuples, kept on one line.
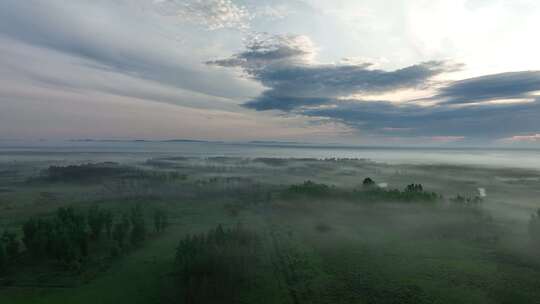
[(316, 246)]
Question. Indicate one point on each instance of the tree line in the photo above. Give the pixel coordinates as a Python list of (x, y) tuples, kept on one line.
[(66, 236)]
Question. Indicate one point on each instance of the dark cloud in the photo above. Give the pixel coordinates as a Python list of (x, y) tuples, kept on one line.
[(267, 101), (295, 83), (284, 65), (264, 51), (479, 121), (515, 85)]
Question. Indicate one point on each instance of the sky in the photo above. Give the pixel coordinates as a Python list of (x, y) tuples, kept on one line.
[(373, 72)]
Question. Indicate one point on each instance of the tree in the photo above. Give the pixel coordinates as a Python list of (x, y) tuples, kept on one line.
[(64, 237), (109, 219), (157, 220), (160, 220), (534, 228), (119, 234), (414, 188), (120, 231), (368, 182), (96, 221), (3, 258), (138, 230), (74, 226), (11, 244), (36, 235), (164, 221)]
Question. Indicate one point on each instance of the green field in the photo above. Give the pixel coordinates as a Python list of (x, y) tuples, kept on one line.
[(255, 231)]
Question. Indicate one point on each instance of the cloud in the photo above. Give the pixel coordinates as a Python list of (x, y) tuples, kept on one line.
[(446, 139), (486, 107), (523, 138), (265, 51), (114, 36), (286, 66), (508, 86), (159, 50), (212, 14), (480, 122)]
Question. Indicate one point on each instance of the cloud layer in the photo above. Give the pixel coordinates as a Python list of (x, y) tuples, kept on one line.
[(513, 85), (285, 65), (212, 14), (239, 59), (482, 108)]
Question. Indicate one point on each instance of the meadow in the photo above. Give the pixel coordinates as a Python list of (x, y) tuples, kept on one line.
[(267, 230)]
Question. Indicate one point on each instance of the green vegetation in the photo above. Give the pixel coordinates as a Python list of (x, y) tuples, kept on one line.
[(4, 261), (161, 220), (9, 251), (312, 231), (368, 182), (72, 239), (138, 225), (534, 228), (217, 266), (84, 172), (63, 238), (308, 188), (471, 201), (369, 192)]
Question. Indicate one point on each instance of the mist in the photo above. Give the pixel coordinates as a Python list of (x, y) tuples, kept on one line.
[(266, 229)]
